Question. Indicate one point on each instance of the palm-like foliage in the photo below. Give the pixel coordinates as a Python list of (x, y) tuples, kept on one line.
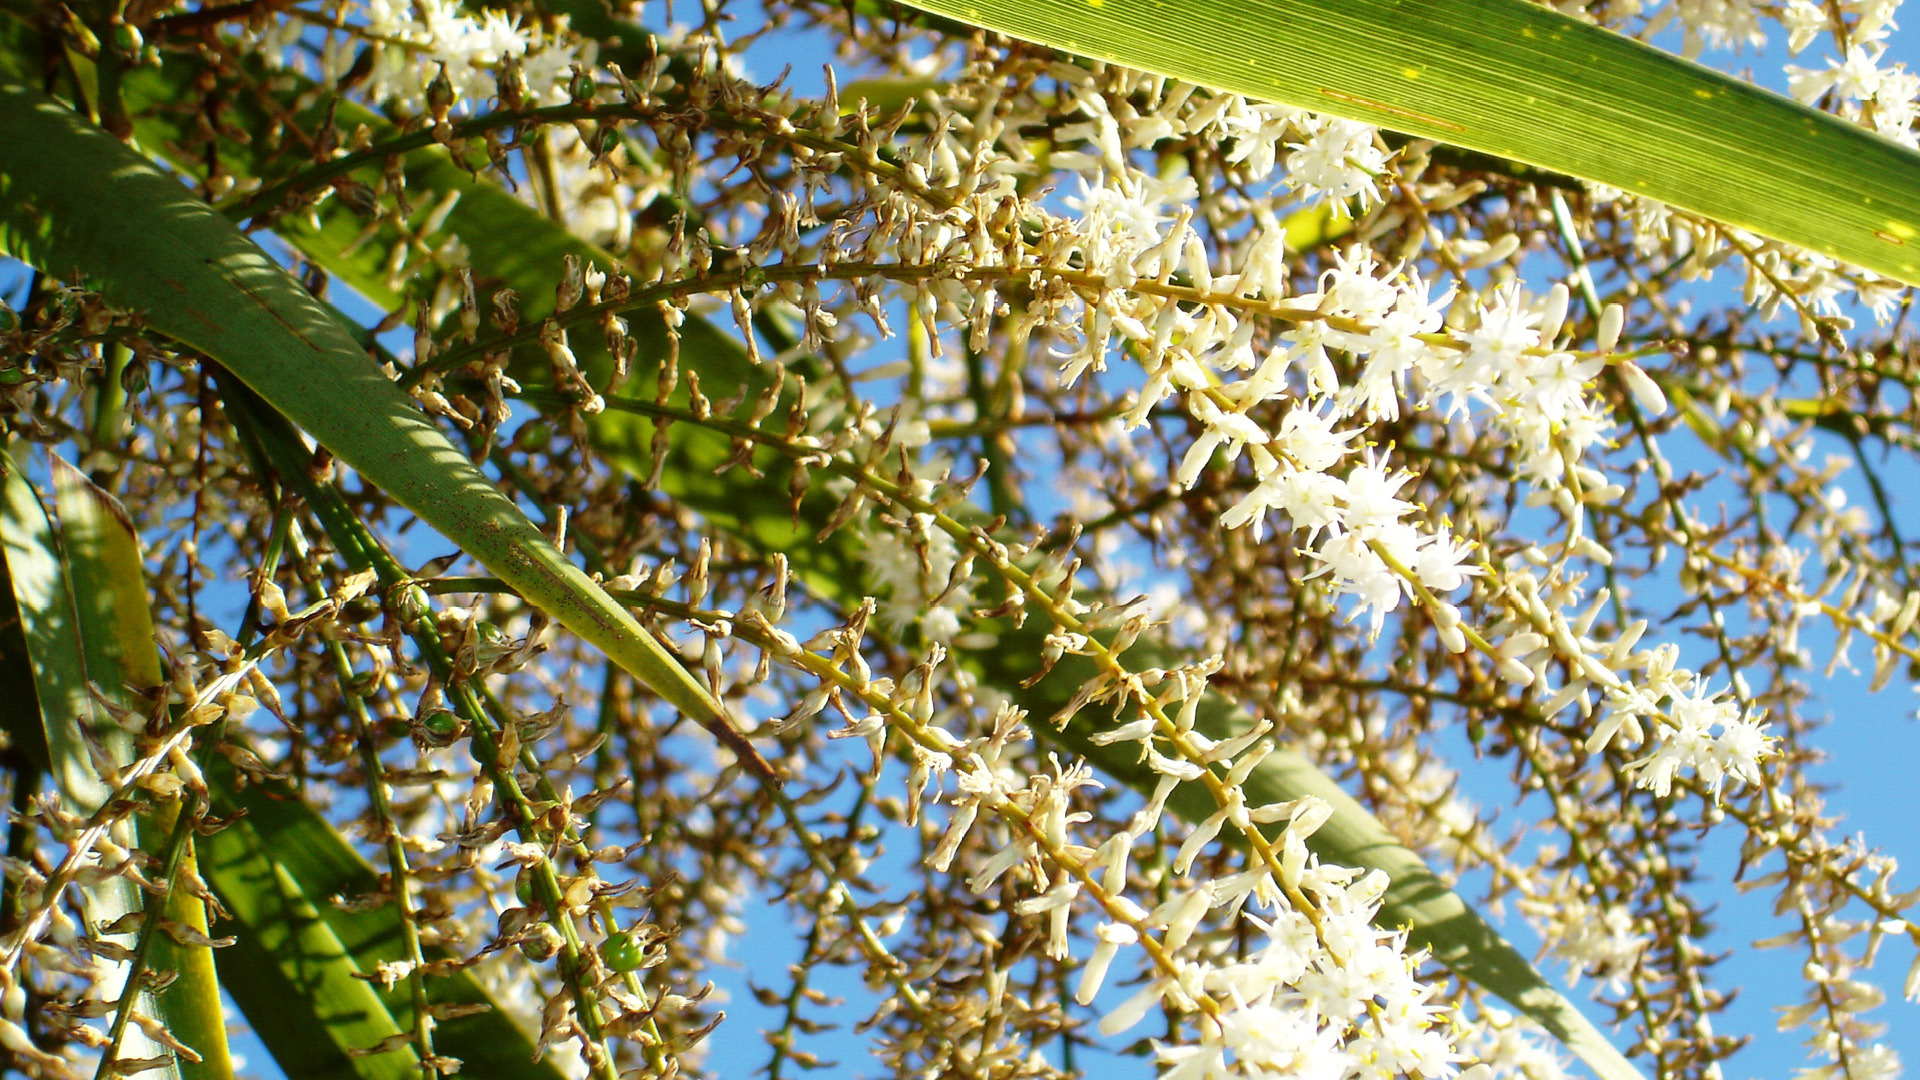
[(666, 436)]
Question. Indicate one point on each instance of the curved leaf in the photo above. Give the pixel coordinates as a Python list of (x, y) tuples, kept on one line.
[(282, 874), (298, 984), (82, 594), (67, 209), (110, 595), (1521, 81), (69, 716)]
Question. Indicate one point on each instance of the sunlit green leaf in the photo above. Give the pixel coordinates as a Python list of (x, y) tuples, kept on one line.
[(81, 590), (298, 985), (1521, 81), (291, 865)]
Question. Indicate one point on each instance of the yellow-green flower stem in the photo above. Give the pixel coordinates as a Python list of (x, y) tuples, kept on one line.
[(317, 177), (870, 941), (1565, 808), (1837, 615), (1090, 285), (486, 723), (397, 867), (1663, 478), (993, 553), (409, 604), (171, 860)]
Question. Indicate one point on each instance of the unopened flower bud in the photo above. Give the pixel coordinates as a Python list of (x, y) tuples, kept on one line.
[(1553, 313), (1109, 938), (1645, 390), (1612, 318), (1515, 672)]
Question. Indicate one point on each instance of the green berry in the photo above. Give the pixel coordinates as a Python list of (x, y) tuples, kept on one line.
[(129, 39), (621, 952)]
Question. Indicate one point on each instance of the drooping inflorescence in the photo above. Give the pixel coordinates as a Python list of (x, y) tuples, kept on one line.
[(1099, 498)]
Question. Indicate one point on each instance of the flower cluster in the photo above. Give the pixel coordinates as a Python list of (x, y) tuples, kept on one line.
[(431, 56), (1247, 481)]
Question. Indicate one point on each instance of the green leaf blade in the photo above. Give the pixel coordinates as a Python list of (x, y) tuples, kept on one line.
[(69, 714), (311, 857), (102, 551), (291, 975), (81, 590), (1521, 81), (71, 209)]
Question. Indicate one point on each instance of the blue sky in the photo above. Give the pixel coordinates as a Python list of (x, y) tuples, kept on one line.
[(1872, 745)]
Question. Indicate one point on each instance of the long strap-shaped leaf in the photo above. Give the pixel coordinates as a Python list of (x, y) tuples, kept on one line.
[(102, 553), (68, 715), (1522, 81), (83, 204), (83, 600), (292, 976), (281, 874)]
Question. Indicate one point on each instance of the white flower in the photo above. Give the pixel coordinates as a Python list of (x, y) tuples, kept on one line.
[(1283, 1041), (1855, 79), (1256, 130), (1504, 331), (1804, 21), (1356, 571), (1370, 496), (1553, 385), (1338, 161), (1314, 501), (1393, 347), (1355, 292), (1690, 741), (1307, 343), (1229, 430), (1592, 940), (1443, 563), (1307, 439)]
